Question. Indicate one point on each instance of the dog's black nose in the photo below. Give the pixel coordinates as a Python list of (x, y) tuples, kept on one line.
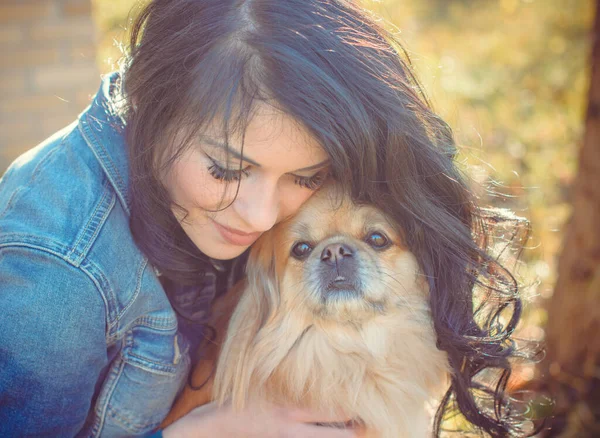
[(339, 268), (336, 252)]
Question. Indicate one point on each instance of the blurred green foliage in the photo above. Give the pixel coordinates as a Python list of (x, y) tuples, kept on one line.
[(510, 77)]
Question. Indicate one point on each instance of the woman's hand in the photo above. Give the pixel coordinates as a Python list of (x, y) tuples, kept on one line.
[(271, 422)]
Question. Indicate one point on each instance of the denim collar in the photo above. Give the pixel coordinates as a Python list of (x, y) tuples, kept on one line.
[(104, 132)]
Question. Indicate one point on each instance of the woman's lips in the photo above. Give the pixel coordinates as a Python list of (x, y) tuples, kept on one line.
[(236, 237)]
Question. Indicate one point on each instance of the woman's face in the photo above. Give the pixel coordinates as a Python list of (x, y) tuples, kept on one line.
[(282, 167)]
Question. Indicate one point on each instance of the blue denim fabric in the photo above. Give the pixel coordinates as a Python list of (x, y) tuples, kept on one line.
[(89, 344)]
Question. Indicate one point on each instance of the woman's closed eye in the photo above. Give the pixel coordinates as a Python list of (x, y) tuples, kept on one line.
[(312, 182), (222, 173)]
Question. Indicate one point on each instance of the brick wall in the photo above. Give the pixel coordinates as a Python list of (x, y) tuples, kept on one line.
[(47, 70)]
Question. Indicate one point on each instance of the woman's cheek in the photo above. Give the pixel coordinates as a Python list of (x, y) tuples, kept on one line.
[(218, 195), (198, 188)]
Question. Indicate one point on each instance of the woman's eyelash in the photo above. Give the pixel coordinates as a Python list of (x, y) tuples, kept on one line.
[(222, 174), (311, 182)]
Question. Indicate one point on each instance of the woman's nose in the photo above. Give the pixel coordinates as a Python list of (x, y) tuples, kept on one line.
[(258, 205)]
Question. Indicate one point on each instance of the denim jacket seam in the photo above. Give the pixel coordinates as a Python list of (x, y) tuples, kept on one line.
[(108, 295), (157, 323), (160, 324), (163, 368), (61, 257), (122, 421), (114, 376), (10, 201), (143, 363), (149, 366), (20, 240), (104, 158), (32, 241), (138, 287), (92, 228)]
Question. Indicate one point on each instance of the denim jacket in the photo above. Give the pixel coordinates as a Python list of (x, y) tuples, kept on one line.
[(89, 342)]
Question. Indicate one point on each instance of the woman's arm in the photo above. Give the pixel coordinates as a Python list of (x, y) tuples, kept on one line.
[(52, 343), (269, 422)]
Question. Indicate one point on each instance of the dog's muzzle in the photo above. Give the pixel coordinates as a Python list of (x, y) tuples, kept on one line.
[(338, 268)]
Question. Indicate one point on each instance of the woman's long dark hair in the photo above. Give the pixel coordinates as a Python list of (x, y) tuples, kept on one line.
[(330, 66)]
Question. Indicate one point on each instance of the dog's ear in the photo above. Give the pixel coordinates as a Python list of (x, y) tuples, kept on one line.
[(257, 306), (263, 272)]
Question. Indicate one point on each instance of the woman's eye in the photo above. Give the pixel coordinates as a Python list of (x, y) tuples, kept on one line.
[(222, 174), (378, 240), (311, 182), (301, 250)]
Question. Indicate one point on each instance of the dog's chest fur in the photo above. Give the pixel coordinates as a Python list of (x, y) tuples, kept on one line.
[(368, 372)]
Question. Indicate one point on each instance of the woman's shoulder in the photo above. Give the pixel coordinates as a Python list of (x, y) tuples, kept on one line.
[(58, 199), (59, 194), (52, 193)]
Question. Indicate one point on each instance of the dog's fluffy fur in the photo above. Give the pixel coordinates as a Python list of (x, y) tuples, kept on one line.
[(344, 329)]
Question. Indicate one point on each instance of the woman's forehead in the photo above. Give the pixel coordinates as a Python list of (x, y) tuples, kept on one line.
[(270, 138)]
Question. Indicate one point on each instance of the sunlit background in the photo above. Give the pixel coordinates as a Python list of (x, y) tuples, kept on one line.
[(510, 77)]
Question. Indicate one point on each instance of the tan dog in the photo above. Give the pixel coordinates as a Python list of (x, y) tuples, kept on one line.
[(333, 317)]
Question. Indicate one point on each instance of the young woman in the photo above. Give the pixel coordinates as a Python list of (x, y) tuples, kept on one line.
[(117, 232)]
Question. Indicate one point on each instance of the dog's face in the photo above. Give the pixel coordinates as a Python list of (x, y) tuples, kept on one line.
[(340, 261), (334, 317)]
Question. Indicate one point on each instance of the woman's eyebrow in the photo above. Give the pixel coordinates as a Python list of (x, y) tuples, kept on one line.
[(314, 166), (239, 156), (229, 150)]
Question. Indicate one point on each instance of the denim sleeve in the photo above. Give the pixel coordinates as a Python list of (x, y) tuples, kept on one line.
[(52, 343)]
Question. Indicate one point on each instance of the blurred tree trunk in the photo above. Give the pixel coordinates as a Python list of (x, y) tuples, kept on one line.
[(572, 364)]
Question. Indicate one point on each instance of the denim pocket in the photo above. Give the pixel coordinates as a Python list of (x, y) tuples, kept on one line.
[(155, 350), (144, 381)]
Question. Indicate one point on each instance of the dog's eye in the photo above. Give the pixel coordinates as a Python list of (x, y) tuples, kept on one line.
[(301, 250), (378, 240)]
